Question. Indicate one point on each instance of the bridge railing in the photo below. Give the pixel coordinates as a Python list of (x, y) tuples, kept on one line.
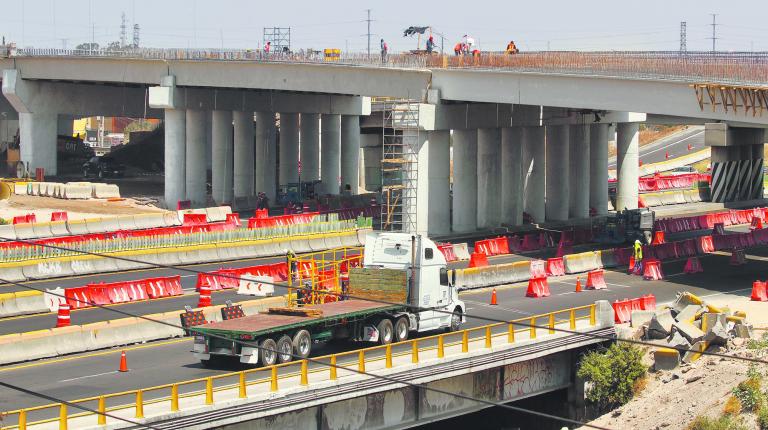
[(174, 397), (735, 68)]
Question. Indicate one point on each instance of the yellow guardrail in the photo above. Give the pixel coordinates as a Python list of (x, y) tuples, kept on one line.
[(270, 375)]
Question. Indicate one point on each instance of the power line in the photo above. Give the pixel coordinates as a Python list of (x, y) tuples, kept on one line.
[(714, 32)]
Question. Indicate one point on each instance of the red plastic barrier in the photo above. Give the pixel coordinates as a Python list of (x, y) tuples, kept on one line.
[(478, 259), (759, 292), (24, 219), (78, 297), (555, 266), (658, 238), (538, 287), (233, 219), (261, 213), (194, 219), (537, 269), (59, 216), (99, 294), (648, 302), (447, 250), (502, 245), (652, 269), (622, 311), (484, 247), (596, 280), (163, 287), (693, 265), (279, 272)]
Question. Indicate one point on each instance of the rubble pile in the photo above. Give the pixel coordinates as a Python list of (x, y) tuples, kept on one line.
[(688, 327)]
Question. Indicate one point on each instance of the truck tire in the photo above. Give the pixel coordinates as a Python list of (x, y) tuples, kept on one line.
[(456, 320), (268, 352), (302, 344), (401, 329), (386, 331), (284, 349)]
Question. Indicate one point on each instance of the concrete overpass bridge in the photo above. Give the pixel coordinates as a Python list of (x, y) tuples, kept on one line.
[(522, 131), (385, 387)]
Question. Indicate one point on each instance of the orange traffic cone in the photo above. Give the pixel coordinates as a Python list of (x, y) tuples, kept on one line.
[(578, 284), (493, 297), (123, 362), (666, 155)]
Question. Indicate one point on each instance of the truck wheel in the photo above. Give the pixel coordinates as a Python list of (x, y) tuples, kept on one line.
[(268, 352), (302, 344), (386, 331), (456, 319), (284, 349), (401, 329)]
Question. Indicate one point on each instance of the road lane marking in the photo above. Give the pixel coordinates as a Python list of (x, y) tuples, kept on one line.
[(95, 354), (520, 311), (88, 376)]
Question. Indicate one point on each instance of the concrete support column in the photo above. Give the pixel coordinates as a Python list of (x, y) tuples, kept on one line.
[(289, 148), (512, 175), (579, 171), (330, 158), (222, 157), (266, 155), (175, 157), (209, 140), (65, 125), (558, 173), (598, 168), (534, 172), (433, 207), (310, 147), (756, 177), (350, 152), (488, 177), (627, 143), (243, 166), (464, 205), (195, 171), (371, 145), (37, 132)]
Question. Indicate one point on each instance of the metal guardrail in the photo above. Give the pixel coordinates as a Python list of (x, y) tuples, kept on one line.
[(734, 68), (477, 338)]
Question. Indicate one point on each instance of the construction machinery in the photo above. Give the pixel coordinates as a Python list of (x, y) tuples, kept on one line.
[(629, 225)]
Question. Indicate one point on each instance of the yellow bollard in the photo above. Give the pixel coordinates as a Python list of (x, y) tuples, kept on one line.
[(361, 361), (511, 333), (174, 398), (22, 420), (388, 355), (488, 337), (63, 417), (333, 367), (533, 328), (414, 351), (273, 386), (465, 341), (592, 314), (139, 404), (573, 319), (304, 379), (209, 391), (102, 409), (551, 323), (242, 394), (440, 347)]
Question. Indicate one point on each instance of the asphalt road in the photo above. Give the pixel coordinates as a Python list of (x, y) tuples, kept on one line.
[(83, 375), (676, 145)]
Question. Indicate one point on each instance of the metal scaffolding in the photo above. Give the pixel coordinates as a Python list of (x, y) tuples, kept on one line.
[(399, 163)]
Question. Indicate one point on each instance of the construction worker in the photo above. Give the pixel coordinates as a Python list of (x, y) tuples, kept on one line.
[(384, 49), (267, 47), (512, 48), (430, 45), (638, 257), (458, 49)]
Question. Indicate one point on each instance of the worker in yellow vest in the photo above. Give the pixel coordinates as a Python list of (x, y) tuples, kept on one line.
[(638, 257)]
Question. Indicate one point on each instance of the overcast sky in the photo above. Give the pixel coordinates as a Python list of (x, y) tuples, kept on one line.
[(534, 24)]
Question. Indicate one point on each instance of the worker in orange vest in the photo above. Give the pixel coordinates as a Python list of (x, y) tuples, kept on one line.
[(458, 49), (512, 48)]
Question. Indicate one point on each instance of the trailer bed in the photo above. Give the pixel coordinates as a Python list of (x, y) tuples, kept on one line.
[(264, 323)]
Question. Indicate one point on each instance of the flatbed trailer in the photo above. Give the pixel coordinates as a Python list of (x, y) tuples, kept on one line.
[(403, 288)]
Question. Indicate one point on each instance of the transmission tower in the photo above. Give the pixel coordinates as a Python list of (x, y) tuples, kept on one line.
[(368, 20), (683, 37), (714, 32), (135, 35), (123, 36)]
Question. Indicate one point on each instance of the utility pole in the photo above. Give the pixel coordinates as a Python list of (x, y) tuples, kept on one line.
[(714, 32), (369, 32), (683, 37)]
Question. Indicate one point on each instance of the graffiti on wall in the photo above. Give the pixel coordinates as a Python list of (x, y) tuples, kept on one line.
[(536, 376)]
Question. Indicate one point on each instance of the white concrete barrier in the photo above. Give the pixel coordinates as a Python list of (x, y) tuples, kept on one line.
[(22, 303), (105, 191), (150, 220), (58, 228), (7, 232), (77, 227), (77, 190), (461, 251), (96, 225), (25, 231), (12, 272), (21, 188), (218, 213), (47, 269), (127, 222), (171, 219), (41, 229), (582, 262)]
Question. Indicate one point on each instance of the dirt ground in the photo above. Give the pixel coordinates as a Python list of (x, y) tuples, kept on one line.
[(42, 207), (672, 399)]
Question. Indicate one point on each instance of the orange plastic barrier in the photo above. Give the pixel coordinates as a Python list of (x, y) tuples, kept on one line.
[(648, 302), (693, 265), (538, 287), (652, 269), (25, 219), (447, 250), (478, 259), (658, 238), (757, 224), (555, 267), (759, 292), (59, 216), (622, 311), (596, 280)]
